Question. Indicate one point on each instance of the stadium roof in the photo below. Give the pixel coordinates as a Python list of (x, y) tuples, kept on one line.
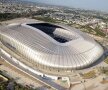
[(56, 45)]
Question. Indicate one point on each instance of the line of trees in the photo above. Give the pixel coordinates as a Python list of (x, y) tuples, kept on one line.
[(9, 16)]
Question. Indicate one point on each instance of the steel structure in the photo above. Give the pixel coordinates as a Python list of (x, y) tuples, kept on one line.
[(51, 46)]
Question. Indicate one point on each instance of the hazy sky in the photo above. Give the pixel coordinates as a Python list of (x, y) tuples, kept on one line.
[(86, 4)]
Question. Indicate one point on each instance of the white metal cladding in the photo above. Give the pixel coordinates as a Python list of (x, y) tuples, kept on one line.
[(77, 53)]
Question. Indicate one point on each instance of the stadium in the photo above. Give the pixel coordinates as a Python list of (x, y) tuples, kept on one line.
[(50, 48)]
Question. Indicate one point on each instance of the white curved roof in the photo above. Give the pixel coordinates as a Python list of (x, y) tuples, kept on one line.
[(78, 52)]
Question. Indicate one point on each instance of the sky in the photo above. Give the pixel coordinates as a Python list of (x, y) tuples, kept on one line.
[(84, 4)]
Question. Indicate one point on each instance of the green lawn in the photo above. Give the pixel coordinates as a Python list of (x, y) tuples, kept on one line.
[(89, 75), (106, 60)]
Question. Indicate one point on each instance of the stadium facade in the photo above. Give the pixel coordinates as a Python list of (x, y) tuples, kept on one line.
[(51, 48)]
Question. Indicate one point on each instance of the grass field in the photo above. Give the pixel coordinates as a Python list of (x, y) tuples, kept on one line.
[(89, 75)]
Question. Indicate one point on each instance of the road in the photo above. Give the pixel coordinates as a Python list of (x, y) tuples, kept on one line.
[(37, 77)]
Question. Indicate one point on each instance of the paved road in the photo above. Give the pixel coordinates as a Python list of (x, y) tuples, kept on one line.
[(46, 82), (20, 77)]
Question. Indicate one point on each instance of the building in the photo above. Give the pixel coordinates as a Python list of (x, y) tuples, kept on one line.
[(49, 48)]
